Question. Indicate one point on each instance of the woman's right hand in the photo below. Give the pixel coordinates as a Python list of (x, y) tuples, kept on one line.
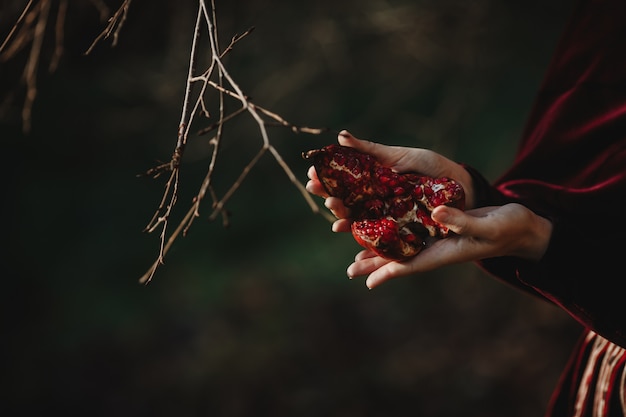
[(485, 232)]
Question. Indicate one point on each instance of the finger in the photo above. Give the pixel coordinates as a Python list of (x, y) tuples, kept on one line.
[(312, 173), (336, 206), (387, 155), (386, 272), (341, 225), (366, 265), (454, 219), (365, 254), (315, 187), (345, 138), (451, 250)]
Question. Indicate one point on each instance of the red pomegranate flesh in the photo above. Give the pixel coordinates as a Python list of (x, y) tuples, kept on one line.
[(390, 211)]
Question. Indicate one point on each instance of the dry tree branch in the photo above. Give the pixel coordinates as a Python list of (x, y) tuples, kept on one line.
[(30, 70), (214, 80), (17, 24), (59, 35), (30, 28), (115, 25)]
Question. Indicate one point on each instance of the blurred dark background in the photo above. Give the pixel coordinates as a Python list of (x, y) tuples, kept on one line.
[(259, 319)]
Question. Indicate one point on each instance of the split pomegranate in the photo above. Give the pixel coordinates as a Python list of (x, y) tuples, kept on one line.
[(390, 211)]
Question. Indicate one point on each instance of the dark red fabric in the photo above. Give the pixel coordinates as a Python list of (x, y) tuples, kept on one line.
[(593, 383), (571, 168)]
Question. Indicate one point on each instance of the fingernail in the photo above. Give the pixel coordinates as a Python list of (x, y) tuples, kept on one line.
[(348, 273), (441, 216)]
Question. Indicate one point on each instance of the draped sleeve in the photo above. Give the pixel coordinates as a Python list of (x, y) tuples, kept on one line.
[(571, 168)]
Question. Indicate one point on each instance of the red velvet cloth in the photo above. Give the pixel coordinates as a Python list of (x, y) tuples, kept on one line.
[(571, 168)]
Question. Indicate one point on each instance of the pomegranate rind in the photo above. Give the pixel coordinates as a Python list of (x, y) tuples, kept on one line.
[(391, 211)]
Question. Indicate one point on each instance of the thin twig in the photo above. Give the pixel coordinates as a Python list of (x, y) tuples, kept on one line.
[(59, 36), (114, 27), (17, 24), (30, 70)]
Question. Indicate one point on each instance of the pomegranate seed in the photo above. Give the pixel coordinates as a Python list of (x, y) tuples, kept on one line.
[(380, 198)]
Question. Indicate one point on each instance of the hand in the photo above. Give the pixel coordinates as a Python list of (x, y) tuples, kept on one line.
[(509, 230), (398, 158), (404, 159)]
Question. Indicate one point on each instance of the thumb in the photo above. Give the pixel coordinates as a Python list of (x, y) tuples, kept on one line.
[(345, 138), (454, 219)]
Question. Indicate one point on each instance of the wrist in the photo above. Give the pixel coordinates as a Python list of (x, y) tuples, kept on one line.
[(538, 239)]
